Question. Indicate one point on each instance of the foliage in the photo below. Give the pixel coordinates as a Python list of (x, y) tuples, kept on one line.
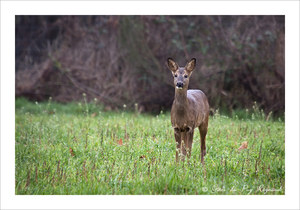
[(121, 59), (80, 149)]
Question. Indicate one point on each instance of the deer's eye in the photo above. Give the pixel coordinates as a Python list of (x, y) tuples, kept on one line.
[(185, 76), (175, 75)]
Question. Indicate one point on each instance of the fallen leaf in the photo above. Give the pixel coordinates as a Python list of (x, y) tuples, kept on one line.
[(244, 145), (120, 142), (143, 156), (108, 108), (71, 152), (94, 114)]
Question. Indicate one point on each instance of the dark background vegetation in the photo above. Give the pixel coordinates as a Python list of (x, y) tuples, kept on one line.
[(122, 59)]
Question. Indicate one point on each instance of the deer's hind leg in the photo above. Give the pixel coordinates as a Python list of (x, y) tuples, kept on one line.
[(203, 131)]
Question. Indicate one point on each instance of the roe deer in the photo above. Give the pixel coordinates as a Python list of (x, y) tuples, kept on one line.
[(190, 110)]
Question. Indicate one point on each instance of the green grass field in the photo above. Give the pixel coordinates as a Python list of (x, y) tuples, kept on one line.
[(80, 149)]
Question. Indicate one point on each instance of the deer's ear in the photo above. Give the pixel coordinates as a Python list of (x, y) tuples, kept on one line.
[(191, 65), (172, 65)]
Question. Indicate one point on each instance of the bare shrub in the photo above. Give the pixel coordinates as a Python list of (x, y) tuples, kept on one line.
[(121, 59)]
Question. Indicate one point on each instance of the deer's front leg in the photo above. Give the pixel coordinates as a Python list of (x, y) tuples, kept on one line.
[(189, 141), (177, 135)]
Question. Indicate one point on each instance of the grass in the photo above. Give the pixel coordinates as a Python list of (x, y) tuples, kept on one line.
[(79, 149)]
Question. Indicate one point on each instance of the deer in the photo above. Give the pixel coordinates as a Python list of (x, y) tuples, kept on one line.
[(190, 110)]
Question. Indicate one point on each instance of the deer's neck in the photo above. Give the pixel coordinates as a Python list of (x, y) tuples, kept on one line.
[(180, 100)]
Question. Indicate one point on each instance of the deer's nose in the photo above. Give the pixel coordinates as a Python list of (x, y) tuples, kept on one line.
[(179, 84)]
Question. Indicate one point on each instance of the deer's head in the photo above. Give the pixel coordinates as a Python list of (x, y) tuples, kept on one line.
[(181, 74)]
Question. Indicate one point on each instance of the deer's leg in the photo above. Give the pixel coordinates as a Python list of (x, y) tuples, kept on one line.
[(183, 147), (177, 134), (189, 142), (203, 132)]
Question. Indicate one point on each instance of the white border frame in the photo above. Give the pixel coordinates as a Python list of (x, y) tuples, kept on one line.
[(11, 8)]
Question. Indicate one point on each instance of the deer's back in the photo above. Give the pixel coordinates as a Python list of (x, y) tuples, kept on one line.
[(198, 105)]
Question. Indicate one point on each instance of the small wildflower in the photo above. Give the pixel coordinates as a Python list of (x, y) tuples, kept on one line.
[(124, 106)]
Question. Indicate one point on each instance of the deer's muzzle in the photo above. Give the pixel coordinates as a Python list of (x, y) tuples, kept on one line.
[(179, 85)]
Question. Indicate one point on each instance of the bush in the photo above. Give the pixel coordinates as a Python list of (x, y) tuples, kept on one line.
[(121, 59)]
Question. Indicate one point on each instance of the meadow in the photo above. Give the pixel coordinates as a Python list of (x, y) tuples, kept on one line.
[(80, 149)]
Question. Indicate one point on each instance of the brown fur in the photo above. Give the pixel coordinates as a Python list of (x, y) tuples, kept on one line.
[(190, 110)]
